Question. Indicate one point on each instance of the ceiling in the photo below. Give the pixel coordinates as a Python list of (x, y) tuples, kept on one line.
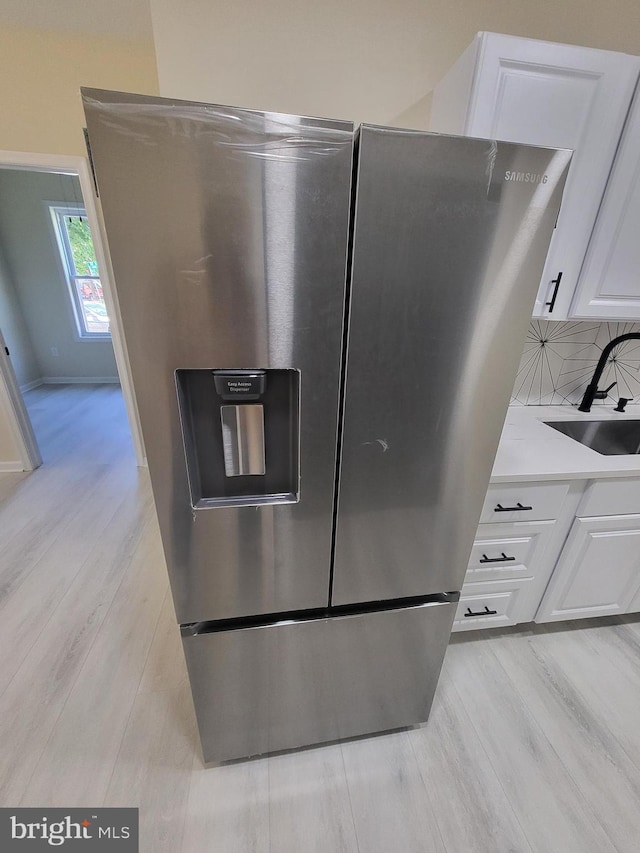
[(129, 19)]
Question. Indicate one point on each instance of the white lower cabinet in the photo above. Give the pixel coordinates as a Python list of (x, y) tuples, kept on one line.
[(598, 573), (579, 558), (508, 571)]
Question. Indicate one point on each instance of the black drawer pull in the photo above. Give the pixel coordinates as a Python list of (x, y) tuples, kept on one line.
[(485, 612), (502, 559), (517, 508)]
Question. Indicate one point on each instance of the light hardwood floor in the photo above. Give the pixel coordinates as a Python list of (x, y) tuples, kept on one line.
[(533, 745)]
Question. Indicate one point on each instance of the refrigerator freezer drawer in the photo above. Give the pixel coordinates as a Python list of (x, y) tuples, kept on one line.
[(296, 683)]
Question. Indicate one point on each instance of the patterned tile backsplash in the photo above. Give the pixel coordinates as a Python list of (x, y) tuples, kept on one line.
[(559, 359)]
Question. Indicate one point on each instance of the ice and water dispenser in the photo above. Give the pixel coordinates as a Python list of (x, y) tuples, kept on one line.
[(241, 435)]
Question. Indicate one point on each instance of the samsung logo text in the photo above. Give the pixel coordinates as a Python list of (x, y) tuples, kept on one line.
[(526, 177)]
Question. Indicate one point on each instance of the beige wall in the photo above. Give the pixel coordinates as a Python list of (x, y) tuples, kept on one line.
[(41, 74), (366, 60), (40, 77)]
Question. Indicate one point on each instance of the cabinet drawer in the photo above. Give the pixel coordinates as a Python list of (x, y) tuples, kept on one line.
[(504, 551), (496, 604), (523, 501), (610, 497)]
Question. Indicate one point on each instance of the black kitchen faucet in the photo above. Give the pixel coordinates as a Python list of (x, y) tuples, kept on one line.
[(592, 392)]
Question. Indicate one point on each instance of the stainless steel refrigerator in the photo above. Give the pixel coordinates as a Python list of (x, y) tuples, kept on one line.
[(323, 326)]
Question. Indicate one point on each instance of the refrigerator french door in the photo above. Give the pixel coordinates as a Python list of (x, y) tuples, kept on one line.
[(323, 326)]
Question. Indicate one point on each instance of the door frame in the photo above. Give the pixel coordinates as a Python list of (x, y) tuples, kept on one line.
[(19, 422), (70, 165)]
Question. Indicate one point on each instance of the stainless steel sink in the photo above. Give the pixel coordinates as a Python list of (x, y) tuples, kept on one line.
[(610, 438)]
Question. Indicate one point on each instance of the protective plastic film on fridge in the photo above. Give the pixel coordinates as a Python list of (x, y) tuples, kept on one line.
[(323, 327)]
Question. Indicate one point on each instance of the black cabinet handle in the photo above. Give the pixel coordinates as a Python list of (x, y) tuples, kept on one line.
[(517, 508), (502, 559), (485, 612), (550, 305)]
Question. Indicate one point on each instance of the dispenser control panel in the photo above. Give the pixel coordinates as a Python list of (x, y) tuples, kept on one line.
[(240, 384)]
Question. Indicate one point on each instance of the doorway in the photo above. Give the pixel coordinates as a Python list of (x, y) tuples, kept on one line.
[(61, 321)]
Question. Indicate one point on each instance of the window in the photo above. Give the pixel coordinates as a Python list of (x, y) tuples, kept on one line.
[(78, 256)]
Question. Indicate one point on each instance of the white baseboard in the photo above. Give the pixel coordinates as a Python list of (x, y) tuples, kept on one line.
[(80, 380), (11, 467), (29, 386)]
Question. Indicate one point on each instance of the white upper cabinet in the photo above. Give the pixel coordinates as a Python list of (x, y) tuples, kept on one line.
[(609, 285), (562, 96)]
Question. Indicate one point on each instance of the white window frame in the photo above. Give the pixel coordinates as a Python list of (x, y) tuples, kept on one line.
[(58, 211)]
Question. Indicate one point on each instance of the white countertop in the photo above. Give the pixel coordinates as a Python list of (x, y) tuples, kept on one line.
[(531, 450)]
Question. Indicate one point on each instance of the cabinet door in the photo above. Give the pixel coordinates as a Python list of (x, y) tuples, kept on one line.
[(634, 606), (598, 572), (609, 284), (564, 97)]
